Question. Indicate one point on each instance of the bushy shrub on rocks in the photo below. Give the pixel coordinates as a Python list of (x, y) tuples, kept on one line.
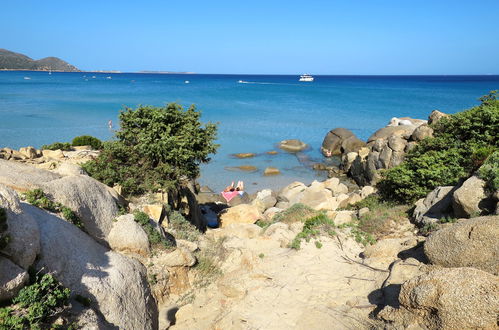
[(35, 305), (489, 172), (57, 146), (460, 145), (156, 148), (87, 140)]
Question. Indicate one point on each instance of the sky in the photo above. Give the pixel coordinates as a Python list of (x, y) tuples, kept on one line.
[(260, 37)]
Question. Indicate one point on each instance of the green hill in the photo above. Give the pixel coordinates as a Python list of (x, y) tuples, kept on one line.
[(15, 61)]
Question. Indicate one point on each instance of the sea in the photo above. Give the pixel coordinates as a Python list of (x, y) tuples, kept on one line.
[(254, 112)]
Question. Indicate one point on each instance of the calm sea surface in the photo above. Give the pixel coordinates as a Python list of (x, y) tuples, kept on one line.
[(253, 116)]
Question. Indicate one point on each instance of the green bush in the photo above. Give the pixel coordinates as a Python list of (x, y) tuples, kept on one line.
[(57, 145), (35, 304), (460, 145), (37, 197), (155, 238), (156, 148), (87, 140), (489, 172), (182, 227), (312, 228)]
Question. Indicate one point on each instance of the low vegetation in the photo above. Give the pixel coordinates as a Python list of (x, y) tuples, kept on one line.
[(207, 268), (380, 219), (297, 212), (87, 140), (38, 198), (461, 144), (35, 305), (64, 146), (489, 171), (314, 227), (155, 238), (181, 227), (156, 148)]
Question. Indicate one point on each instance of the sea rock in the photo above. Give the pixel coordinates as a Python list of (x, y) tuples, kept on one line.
[(467, 198), (404, 131), (244, 168), (271, 171), (438, 300), (333, 140), (469, 243), (436, 205), (127, 236), (245, 155), (12, 279), (116, 285), (352, 144), (244, 213), (293, 145), (95, 203)]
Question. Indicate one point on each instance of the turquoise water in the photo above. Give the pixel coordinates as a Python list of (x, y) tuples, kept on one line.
[(253, 116)]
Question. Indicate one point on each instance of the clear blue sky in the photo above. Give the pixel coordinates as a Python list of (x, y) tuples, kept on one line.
[(282, 37)]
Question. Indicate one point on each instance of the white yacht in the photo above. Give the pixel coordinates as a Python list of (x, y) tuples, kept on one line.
[(306, 77)]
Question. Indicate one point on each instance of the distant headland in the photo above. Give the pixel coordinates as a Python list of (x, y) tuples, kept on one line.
[(15, 61)]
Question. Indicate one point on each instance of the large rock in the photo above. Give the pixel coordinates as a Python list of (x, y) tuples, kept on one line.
[(95, 203), (436, 205), (116, 285), (127, 236), (12, 279), (333, 140), (467, 198), (469, 243), (29, 152), (422, 132), (318, 198), (181, 257), (244, 213), (352, 144), (291, 193), (21, 177), (292, 145), (458, 298), (435, 116), (24, 243), (69, 169), (404, 131)]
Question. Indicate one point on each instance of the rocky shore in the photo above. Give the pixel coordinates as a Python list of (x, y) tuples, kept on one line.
[(328, 255)]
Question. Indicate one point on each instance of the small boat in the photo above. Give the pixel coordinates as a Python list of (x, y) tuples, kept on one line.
[(93, 77), (306, 77), (27, 78), (109, 77), (242, 82), (187, 81)]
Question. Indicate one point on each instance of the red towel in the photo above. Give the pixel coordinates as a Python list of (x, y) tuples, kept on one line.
[(228, 195)]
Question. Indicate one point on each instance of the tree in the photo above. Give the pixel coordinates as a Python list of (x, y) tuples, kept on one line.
[(156, 148)]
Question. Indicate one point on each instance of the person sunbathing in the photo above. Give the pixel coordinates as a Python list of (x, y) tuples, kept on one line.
[(230, 188)]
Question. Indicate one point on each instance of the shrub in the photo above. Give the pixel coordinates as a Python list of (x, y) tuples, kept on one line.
[(460, 144), (57, 145), (37, 197), (154, 237), (489, 172), (87, 140), (35, 304), (313, 227), (182, 227), (156, 148)]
